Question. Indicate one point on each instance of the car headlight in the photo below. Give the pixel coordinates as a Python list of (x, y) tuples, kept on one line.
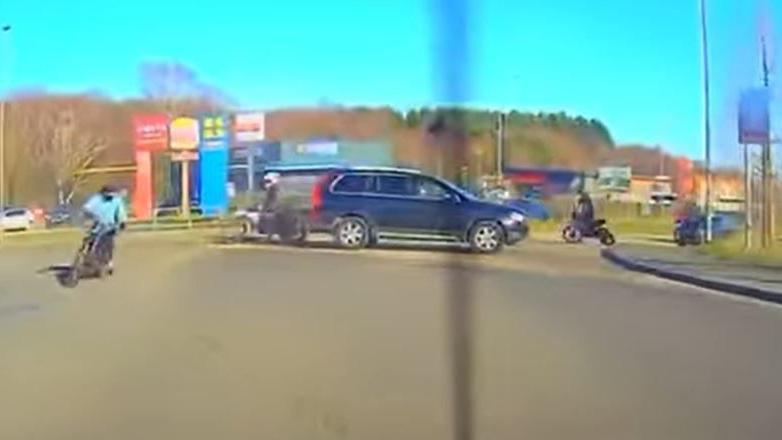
[(515, 217)]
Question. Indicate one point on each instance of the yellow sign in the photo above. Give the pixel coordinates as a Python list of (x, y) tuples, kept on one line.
[(214, 128), (184, 134)]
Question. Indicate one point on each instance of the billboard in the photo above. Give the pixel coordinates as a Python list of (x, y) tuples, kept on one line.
[(614, 179), (214, 130), (150, 132), (184, 134), (754, 122), (249, 127), (318, 148)]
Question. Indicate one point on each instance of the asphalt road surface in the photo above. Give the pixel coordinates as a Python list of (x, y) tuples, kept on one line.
[(191, 340)]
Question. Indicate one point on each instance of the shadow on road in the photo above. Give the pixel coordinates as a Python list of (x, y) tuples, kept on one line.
[(420, 246), (61, 272)]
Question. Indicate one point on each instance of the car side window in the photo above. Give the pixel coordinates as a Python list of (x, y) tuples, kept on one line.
[(353, 184), (429, 188), (395, 185)]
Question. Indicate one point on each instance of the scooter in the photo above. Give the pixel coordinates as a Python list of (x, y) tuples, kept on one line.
[(575, 231), (91, 260), (290, 226)]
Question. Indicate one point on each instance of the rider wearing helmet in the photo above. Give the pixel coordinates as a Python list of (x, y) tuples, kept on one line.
[(584, 211), (107, 212), (271, 182)]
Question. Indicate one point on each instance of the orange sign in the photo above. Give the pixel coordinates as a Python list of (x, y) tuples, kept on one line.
[(184, 134)]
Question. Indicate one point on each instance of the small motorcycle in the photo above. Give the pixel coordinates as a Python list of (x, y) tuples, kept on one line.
[(576, 231), (290, 226), (91, 260)]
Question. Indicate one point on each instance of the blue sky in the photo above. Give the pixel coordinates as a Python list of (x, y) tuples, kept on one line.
[(633, 64)]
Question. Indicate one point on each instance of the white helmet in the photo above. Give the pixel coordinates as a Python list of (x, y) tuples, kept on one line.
[(271, 178)]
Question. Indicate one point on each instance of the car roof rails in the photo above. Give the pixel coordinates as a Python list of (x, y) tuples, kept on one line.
[(384, 168)]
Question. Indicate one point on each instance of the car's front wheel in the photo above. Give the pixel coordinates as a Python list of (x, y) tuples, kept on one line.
[(352, 233), (486, 237)]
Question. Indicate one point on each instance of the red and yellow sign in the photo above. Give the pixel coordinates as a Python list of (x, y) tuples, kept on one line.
[(150, 132), (184, 134)]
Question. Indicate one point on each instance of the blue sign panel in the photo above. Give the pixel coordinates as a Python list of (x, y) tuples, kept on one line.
[(754, 123), (213, 164)]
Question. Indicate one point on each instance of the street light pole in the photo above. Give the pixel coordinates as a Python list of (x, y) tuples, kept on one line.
[(706, 123)]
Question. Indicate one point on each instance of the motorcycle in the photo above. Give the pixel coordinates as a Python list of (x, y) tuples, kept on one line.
[(576, 231), (91, 259), (290, 226)]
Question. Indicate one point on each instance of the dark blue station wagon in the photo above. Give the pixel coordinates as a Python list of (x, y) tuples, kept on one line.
[(358, 205)]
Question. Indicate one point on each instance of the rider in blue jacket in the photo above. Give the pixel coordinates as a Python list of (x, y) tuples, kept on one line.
[(107, 211)]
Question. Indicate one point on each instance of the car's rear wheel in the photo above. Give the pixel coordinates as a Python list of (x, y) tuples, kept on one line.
[(486, 238), (352, 233)]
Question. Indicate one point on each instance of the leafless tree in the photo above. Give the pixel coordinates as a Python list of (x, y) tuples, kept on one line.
[(63, 146), (178, 90)]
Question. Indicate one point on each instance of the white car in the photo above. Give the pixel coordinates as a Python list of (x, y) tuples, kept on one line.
[(16, 219)]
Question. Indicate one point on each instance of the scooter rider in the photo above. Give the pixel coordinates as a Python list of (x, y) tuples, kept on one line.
[(584, 212), (270, 205), (107, 212)]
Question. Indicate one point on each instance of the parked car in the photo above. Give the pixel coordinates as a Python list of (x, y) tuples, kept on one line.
[(530, 206), (16, 219), (359, 205), (692, 229), (60, 215)]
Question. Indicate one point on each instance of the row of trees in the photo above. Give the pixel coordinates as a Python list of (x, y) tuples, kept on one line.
[(52, 138)]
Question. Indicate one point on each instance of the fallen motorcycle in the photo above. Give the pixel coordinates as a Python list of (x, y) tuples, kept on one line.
[(575, 231)]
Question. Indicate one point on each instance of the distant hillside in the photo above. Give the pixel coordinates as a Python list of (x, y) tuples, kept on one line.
[(46, 136)]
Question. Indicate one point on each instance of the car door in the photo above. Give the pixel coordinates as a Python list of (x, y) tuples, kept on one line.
[(396, 209), (439, 206)]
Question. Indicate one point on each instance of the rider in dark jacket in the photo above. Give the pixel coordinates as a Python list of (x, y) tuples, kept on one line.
[(584, 212)]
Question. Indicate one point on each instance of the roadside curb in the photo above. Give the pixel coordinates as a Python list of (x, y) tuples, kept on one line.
[(708, 283)]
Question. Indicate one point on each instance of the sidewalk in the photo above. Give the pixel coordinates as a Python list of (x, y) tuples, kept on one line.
[(689, 266)]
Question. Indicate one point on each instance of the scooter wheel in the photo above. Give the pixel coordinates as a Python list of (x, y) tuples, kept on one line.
[(571, 234), (607, 238)]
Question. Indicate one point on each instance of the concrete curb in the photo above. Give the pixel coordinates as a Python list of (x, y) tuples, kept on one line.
[(708, 283)]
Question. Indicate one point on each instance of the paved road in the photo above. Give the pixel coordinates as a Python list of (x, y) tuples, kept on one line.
[(196, 341)]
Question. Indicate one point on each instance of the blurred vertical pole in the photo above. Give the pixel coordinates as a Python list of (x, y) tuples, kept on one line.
[(768, 197), (3, 61), (500, 144), (747, 199), (706, 123), (451, 80)]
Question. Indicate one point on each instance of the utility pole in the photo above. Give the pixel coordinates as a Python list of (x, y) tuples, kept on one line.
[(747, 199), (767, 166), (706, 123), (500, 143), (3, 31)]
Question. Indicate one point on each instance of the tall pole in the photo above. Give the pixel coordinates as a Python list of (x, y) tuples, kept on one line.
[(3, 30), (500, 143), (768, 184), (706, 123), (747, 199)]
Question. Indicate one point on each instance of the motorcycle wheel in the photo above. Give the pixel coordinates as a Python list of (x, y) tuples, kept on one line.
[(294, 232), (571, 234), (606, 237)]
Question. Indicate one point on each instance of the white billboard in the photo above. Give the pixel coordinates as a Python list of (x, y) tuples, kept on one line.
[(250, 127)]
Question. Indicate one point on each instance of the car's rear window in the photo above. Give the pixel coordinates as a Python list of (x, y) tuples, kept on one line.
[(395, 185), (353, 183), (14, 212)]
